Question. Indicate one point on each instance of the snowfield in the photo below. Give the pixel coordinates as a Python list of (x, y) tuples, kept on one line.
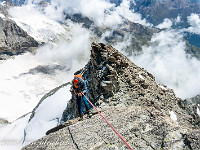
[(22, 131), (26, 78)]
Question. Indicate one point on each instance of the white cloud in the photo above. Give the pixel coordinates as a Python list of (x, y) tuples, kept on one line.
[(77, 48), (3, 3), (124, 10), (121, 46), (95, 10), (194, 21), (177, 20), (167, 23), (71, 50), (166, 59), (2, 16), (20, 90), (112, 19), (55, 10)]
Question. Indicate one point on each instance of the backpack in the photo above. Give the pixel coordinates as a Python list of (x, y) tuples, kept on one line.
[(79, 76)]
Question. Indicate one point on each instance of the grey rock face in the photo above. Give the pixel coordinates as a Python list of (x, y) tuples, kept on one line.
[(195, 100), (13, 39), (141, 127), (3, 121), (5, 6), (193, 103), (131, 100), (116, 81)]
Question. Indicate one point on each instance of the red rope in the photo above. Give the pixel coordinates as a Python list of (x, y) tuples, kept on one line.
[(110, 125)]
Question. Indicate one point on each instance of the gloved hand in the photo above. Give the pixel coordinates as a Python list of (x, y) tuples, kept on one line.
[(79, 94)]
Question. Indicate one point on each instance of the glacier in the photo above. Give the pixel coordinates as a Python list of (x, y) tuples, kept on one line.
[(67, 45)]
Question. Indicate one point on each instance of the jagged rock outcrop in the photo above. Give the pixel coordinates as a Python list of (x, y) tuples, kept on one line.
[(3, 121), (4, 6), (13, 39), (116, 81), (139, 108), (193, 101)]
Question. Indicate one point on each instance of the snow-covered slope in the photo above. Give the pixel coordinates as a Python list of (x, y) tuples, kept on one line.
[(48, 114), (26, 78), (12, 135), (32, 127), (20, 89), (38, 25)]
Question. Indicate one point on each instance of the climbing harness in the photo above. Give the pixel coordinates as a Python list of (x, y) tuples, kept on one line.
[(75, 109), (109, 124)]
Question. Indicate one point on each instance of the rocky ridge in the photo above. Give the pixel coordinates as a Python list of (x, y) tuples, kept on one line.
[(116, 81), (13, 39), (192, 101), (139, 108)]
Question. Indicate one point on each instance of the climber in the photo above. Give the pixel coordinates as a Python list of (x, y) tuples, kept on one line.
[(80, 91)]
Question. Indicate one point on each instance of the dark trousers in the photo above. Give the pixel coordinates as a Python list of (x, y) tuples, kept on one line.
[(79, 103)]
